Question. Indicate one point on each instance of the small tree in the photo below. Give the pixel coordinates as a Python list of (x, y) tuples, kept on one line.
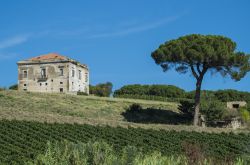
[(103, 90), (14, 87), (200, 54)]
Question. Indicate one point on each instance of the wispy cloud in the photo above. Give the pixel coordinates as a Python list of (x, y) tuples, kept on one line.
[(136, 29), (6, 55), (90, 31), (61, 33), (13, 41)]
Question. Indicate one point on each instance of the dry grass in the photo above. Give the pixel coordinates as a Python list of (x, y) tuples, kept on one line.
[(93, 110)]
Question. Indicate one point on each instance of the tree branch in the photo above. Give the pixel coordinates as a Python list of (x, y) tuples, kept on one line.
[(198, 68), (204, 70), (194, 72)]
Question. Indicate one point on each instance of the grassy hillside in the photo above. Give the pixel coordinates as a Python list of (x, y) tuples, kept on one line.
[(92, 110)]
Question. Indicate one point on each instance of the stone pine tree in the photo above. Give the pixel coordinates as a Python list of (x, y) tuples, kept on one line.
[(201, 54)]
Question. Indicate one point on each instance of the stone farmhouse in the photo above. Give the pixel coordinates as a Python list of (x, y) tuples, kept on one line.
[(53, 73)]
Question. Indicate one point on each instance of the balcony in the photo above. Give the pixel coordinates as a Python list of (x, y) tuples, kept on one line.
[(42, 78)]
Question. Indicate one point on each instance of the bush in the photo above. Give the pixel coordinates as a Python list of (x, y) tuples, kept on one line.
[(232, 95), (14, 87), (165, 91), (102, 90), (222, 95), (135, 107), (173, 93), (213, 110), (204, 94), (187, 107), (82, 93), (244, 114), (149, 97), (194, 152)]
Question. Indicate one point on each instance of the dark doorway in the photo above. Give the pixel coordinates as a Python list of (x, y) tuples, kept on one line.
[(61, 90), (236, 106)]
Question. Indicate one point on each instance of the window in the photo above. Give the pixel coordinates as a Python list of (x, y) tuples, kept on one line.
[(61, 82), (80, 74), (86, 77), (46, 84), (51, 80), (25, 85), (73, 73), (43, 73), (25, 74), (61, 90), (236, 106), (40, 84), (61, 71)]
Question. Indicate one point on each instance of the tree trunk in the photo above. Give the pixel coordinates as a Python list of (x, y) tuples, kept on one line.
[(197, 101)]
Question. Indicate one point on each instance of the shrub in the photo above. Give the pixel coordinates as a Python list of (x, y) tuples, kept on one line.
[(102, 90), (244, 114), (193, 152), (204, 94), (187, 107), (14, 87), (167, 91), (232, 95), (82, 93), (150, 97), (213, 110), (135, 107)]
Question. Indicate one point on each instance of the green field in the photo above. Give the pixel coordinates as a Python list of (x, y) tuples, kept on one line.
[(92, 110), (30, 120), (22, 141)]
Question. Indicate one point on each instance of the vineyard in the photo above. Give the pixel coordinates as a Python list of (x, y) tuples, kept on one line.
[(21, 141)]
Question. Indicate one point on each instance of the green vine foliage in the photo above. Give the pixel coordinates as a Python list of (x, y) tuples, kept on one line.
[(22, 141)]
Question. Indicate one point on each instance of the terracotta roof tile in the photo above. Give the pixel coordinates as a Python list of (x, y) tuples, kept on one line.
[(50, 56)]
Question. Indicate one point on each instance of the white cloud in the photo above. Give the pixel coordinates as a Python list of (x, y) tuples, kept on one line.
[(136, 29), (13, 41)]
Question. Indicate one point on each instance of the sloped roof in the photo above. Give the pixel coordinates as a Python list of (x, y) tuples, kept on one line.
[(50, 56)]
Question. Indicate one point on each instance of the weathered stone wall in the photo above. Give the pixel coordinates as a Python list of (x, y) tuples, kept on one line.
[(78, 82)]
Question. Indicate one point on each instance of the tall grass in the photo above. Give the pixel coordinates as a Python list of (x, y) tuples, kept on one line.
[(100, 153)]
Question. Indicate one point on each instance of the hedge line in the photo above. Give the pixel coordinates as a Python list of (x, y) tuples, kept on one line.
[(173, 93)]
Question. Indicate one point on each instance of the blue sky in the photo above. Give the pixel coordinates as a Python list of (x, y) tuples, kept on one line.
[(115, 38)]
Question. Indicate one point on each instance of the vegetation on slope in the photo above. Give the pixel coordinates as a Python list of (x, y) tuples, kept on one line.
[(153, 92), (173, 93), (93, 110), (22, 141), (63, 108), (101, 153)]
